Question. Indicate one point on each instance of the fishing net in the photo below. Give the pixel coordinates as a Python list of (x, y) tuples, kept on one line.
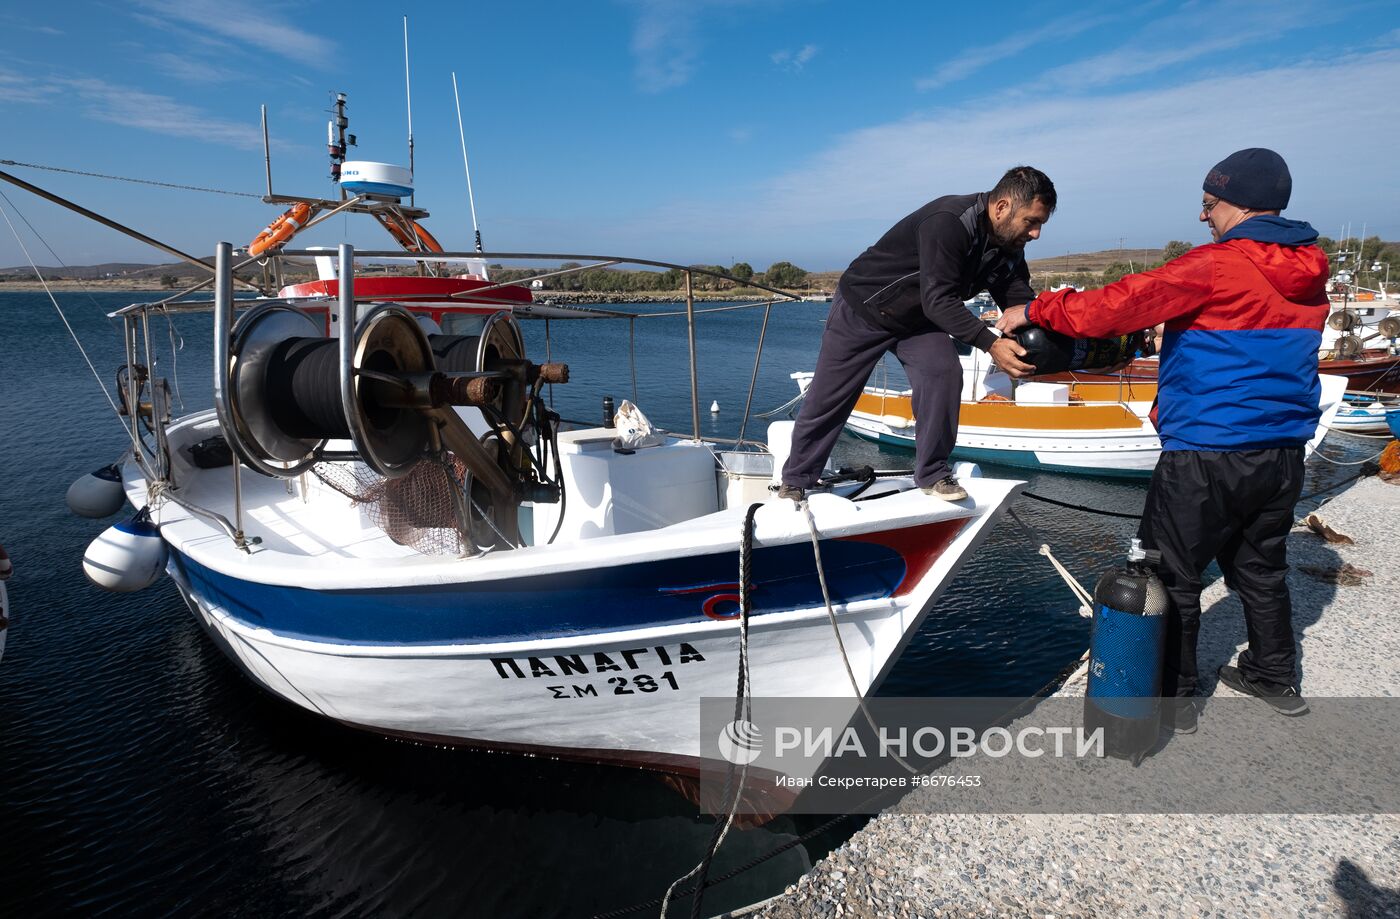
[(426, 509)]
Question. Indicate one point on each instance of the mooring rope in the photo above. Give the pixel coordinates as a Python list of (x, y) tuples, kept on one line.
[(1080, 507), (835, 628), (98, 175), (52, 299), (1372, 458), (1086, 602), (743, 710)]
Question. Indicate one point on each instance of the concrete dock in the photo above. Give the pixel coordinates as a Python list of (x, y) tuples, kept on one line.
[(905, 864)]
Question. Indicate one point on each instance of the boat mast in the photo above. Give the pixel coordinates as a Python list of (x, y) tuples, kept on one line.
[(337, 140), (462, 135), (408, 93), (267, 152)]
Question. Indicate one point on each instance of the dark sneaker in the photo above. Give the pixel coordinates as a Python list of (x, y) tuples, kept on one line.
[(1179, 714), (792, 493), (1283, 699), (947, 489)]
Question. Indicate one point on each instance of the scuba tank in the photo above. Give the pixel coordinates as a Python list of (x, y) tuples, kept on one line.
[(1052, 352), (1125, 656)]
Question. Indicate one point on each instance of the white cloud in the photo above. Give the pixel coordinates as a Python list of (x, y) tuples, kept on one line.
[(22, 89), (192, 69), (244, 24), (665, 43), (1125, 164), (794, 61), (1195, 32), (666, 39), (965, 64), (132, 108)]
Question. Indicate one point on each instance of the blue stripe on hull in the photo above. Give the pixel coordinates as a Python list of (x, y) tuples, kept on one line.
[(553, 604)]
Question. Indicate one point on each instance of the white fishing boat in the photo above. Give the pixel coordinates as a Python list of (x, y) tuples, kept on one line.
[(1099, 427), (1364, 413), (382, 522)]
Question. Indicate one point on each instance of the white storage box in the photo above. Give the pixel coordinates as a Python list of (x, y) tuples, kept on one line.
[(611, 493), (1043, 394)]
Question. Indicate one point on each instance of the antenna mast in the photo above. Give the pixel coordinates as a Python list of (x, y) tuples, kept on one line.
[(267, 152), (462, 135), (408, 92), (337, 140)]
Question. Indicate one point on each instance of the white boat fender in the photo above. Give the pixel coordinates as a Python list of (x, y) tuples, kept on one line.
[(126, 556), (97, 494), (7, 567), (967, 470)]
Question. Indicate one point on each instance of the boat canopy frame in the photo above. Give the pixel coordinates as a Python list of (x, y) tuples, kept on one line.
[(154, 461)]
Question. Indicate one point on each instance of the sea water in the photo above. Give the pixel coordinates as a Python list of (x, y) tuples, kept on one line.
[(141, 773)]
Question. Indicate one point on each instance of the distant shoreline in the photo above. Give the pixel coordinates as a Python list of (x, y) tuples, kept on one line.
[(743, 295)]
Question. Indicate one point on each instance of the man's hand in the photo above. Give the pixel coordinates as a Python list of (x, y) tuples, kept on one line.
[(1012, 319), (1006, 353)]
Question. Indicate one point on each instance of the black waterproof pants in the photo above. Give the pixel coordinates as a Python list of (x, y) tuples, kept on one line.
[(1236, 508), (851, 347)]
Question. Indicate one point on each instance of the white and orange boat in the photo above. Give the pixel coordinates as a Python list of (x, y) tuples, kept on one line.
[(1092, 427)]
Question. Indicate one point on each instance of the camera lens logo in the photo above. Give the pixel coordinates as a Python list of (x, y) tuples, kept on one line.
[(740, 742)]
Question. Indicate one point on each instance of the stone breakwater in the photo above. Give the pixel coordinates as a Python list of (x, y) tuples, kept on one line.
[(906, 864)]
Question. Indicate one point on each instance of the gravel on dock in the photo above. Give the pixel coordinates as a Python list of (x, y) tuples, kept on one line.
[(1059, 865)]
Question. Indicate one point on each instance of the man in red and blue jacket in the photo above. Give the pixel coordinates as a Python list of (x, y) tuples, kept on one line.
[(1238, 395)]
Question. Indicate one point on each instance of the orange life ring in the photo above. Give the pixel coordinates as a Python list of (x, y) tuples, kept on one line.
[(420, 241), (281, 229), (425, 238)]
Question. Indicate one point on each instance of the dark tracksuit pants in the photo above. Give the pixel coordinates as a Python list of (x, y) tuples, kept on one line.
[(851, 347), (1236, 508)]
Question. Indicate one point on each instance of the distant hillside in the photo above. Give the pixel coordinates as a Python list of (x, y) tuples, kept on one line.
[(135, 274), (129, 274), (1093, 261)]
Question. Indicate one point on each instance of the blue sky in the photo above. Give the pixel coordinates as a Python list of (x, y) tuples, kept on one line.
[(697, 130)]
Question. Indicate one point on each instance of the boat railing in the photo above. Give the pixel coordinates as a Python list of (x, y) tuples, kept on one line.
[(154, 458)]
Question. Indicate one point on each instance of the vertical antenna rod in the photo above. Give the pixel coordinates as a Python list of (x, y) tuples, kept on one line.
[(267, 152), (336, 140), (462, 135), (408, 92)]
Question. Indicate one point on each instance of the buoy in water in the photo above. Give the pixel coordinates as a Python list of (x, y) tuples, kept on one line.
[(97, 494), (127, 556), (714, 407)]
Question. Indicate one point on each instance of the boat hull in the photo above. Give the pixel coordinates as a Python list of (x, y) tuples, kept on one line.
[(627, 696), (1095, 436), (1132, 455), (1376, 371)]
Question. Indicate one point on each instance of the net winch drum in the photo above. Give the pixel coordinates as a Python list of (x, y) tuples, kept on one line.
[(1343, 320), (499, 348), (284, 390), (291, 391), (1125, 656), (1052, 352), (1347, 346)]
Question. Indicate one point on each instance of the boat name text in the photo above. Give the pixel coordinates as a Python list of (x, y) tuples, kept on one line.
[(558, 665)]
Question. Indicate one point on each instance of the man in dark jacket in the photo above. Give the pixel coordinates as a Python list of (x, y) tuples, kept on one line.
[(1237, 399), (905, 294)]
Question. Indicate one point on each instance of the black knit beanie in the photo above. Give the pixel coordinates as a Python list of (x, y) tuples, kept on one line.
[(1256, 179)]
